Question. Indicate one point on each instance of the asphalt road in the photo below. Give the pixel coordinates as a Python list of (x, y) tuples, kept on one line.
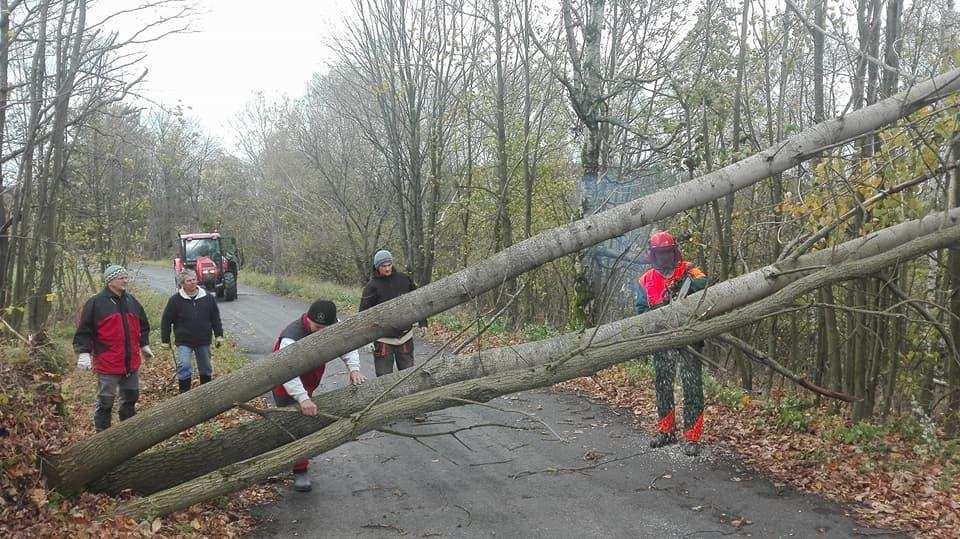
[(504, 482)]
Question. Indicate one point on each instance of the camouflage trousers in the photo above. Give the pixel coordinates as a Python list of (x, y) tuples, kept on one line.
[(665, 365)]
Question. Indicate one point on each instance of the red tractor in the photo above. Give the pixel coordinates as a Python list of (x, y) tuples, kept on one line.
[(215, 258)]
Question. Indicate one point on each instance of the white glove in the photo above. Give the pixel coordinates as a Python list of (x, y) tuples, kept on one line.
[(83, 361), (147, 352), (219, 342)]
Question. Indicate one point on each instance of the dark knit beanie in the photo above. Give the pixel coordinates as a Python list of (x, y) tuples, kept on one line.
[(323, 312)]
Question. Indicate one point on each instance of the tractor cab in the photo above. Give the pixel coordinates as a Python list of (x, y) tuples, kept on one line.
[(215, 259)]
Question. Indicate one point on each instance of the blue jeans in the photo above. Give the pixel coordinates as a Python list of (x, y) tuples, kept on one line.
[(184, 367)]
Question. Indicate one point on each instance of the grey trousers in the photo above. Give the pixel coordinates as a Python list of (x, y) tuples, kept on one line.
[(108, 385)]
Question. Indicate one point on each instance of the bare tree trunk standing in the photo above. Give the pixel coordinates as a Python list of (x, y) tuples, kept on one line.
[(91, 458), (952, 425), (829, 332), (27, 173), (68, 57), (5, 222), (586, 98), (725, 241)]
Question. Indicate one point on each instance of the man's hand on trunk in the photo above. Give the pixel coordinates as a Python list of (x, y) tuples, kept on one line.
[(308, 408)]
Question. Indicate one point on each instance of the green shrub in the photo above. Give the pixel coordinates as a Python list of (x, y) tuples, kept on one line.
[(448, 321), (717, 392), (908, 427), (498, 327), (793, 419), (861, 433), (538, 332), (639, 371), (791, 413)]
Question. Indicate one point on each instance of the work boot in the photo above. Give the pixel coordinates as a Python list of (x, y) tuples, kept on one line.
[(663, 439), (301, 482), (204, 378), (691, 449), (184, 385)]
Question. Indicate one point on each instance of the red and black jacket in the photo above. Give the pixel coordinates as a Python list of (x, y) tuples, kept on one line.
[(295, 331), (112, 328), (656, 288)]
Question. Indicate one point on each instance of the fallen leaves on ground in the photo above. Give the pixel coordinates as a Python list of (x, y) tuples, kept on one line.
[(42, 412), (897, 487)]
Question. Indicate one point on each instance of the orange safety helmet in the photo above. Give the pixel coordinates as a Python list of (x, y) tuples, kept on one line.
[(662, 240)]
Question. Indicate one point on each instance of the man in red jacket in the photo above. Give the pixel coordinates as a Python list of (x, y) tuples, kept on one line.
[(112, 334), (321, 314), (672, 278)]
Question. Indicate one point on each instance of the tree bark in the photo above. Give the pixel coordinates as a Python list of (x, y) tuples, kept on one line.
[(162, 468), (581, 360), (91, 458), (952, 425)]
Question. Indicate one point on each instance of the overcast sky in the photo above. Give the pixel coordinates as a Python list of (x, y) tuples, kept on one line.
[(238, 47)]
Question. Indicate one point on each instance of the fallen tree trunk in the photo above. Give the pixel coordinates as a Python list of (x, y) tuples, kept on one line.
[(160, 469), (90, 459), (566, 365)]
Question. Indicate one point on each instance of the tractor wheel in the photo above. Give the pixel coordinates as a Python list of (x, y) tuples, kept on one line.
[(229, 286), (220, 291)]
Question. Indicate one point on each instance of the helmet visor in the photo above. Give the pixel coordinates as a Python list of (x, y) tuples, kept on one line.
[(664, 259)]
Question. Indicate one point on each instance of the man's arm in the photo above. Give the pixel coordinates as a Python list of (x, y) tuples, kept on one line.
[(215, 318), (83, 338), (352, 360), (144, 324), (698, 279), (294, 387), (166, 320), (368, 298), (642, 305)]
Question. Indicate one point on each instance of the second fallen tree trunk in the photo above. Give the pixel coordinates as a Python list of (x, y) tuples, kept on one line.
[(567, 364), (163, 468), (91, 458)]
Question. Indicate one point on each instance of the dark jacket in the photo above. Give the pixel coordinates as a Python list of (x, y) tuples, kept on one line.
[(112, 328), (380, 289), (193, 319)]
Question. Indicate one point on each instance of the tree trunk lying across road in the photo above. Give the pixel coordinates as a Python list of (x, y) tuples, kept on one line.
[(570, 363), (163, 468), (90, 459)]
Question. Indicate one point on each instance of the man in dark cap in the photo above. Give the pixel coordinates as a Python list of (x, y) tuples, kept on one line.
[(322, 313)]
